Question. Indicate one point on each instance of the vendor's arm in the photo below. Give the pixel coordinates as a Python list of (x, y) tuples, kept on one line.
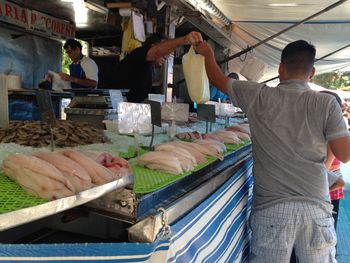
[(215, 75), (89, 83), (164, 48)]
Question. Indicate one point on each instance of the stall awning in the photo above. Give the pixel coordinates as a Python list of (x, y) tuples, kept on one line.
[(256, 20)]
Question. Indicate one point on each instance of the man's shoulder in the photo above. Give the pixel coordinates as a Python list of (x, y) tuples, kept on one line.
[(87, 60)]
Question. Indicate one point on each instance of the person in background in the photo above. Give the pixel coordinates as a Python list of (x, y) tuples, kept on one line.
[(333, 164), (135, 70), (216, 94), (291, 126), (83, 70)]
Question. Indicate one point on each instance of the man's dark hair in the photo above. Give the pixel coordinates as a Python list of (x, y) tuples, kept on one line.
[(72, 43), (233, 75), (298, 56), (334, 94), (155, 38)]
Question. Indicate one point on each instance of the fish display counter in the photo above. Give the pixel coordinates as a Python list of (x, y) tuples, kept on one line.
[(153, 214)]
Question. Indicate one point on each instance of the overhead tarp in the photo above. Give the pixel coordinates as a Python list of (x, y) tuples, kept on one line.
[(327, 37), (28, 55), (215, 231)]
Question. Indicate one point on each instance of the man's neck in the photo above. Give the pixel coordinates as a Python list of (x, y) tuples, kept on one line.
[(78, 58)]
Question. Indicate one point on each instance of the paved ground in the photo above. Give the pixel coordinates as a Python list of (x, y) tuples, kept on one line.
[(343, 228)]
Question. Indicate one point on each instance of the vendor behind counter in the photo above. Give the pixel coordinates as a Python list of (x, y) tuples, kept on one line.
[(83, 70), (135, 70)]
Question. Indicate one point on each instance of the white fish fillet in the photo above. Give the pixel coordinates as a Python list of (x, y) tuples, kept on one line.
[(37, 176), (241, 128), (98, 173), (180, 151), (200, 157), (72, 170), (164, 161), (242, 135), (228, 136)]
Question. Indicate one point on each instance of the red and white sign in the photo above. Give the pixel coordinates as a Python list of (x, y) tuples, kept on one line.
[(35, 21)]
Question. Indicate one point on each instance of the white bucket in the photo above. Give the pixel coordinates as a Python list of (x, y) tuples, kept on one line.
[(13, 82)]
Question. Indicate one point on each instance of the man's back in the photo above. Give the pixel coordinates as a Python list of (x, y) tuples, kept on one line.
[(290, 127)]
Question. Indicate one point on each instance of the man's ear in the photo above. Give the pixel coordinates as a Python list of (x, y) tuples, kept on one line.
[(281, 71), (312, 73)]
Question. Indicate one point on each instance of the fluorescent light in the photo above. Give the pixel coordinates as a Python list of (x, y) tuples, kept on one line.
[(80, 12), (283, 4), (96, 7)]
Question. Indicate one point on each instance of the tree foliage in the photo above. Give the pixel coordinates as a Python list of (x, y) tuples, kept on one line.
[(333, 80)]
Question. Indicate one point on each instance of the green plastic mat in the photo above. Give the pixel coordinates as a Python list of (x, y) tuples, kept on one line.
[(13, 197), (130, 153), (147, 180), (234, 147)]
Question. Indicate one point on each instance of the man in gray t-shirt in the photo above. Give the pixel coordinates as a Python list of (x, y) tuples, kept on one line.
[(290, 126)]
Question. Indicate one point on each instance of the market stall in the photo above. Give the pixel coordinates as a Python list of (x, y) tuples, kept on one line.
[(110, 208), (173, 220)]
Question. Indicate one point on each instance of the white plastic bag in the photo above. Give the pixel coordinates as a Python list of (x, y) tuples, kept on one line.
[(253, 69), (196, 77), (58, 84)]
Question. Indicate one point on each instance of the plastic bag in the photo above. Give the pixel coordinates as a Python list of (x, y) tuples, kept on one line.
[(196, 77), (58, 84)]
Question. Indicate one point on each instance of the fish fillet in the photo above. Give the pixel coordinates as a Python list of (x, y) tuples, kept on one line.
[(37, 176)]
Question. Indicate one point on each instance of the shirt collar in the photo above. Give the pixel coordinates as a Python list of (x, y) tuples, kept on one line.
[(294, 84)]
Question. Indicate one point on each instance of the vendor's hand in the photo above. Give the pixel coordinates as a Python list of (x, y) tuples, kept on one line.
[(65, 77), (193, 38), (203, 48)]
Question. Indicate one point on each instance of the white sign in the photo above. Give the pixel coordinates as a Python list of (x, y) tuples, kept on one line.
[(134, 118), (223, 109), (35, 21), (175, 111)]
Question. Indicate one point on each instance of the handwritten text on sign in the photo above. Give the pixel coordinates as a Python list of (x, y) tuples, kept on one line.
[(35, 21), (134, 118)]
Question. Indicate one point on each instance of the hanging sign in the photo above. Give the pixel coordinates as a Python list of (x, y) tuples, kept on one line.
[(35, 21)]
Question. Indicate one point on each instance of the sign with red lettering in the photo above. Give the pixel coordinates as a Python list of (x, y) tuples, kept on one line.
[(35, 21)]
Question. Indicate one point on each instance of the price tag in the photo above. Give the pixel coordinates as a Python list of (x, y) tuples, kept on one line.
[(155, 112), (43, 99), (206, 112), (227, 110), (134, 118), (116, 97), (223, 109), (175, 111)]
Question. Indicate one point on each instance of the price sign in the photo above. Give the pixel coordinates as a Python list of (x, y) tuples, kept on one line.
[(223, 109), (175, 111), (206, 112), (134, 118), (227, 110), (43, 99)]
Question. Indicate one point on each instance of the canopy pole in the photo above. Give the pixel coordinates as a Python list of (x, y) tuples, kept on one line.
[(281, 32), (318, 59)]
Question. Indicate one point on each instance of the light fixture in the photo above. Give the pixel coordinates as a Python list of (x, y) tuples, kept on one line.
[(283, 4), (208, 6), (80, 13), (96, 7)]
